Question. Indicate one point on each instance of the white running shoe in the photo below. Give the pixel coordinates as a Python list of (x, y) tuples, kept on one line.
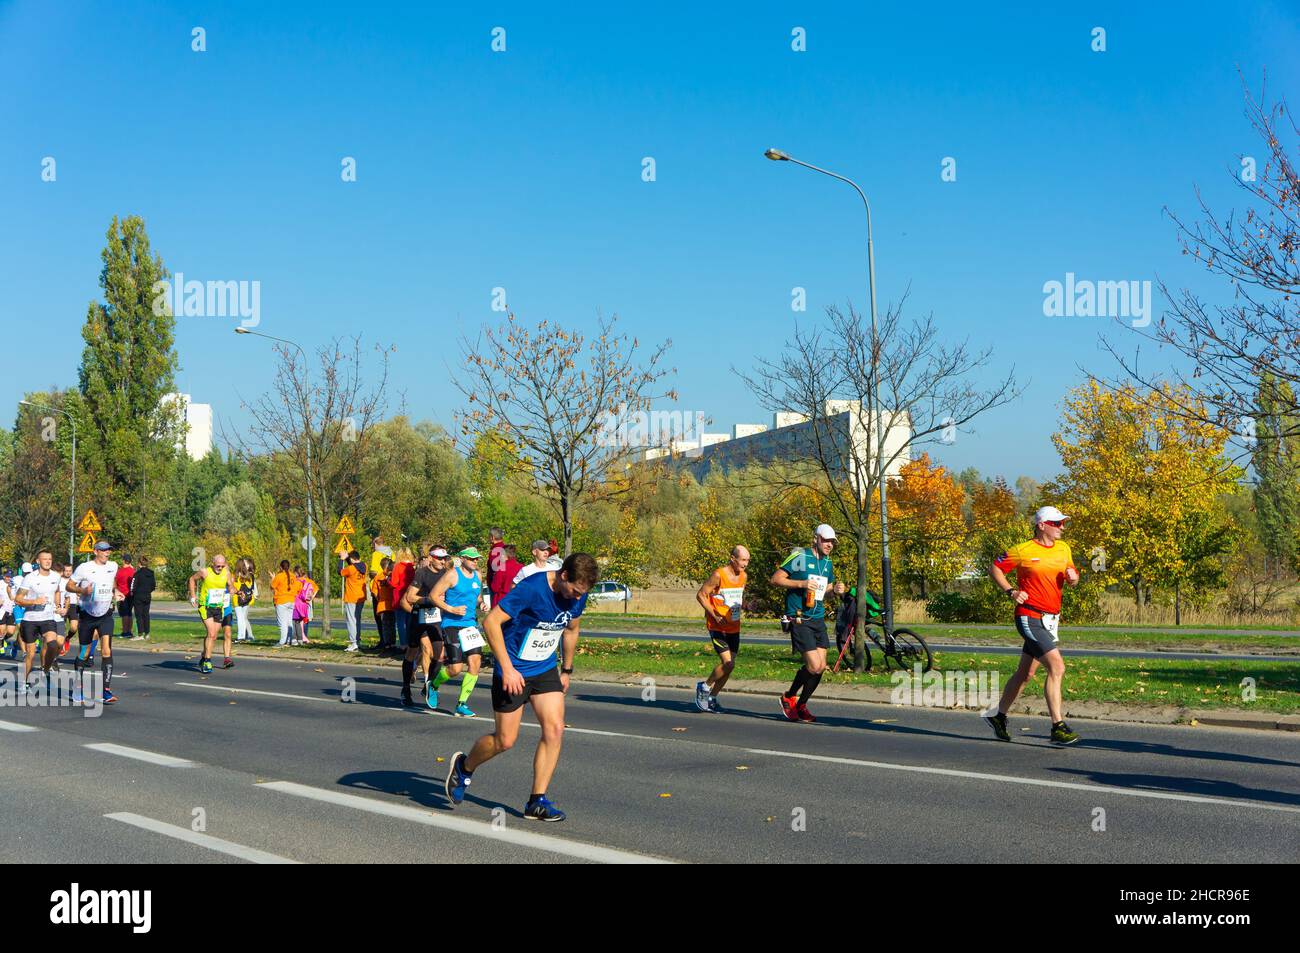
[(702, 696)]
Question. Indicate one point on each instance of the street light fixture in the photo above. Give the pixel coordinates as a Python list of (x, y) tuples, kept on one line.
[(886, 575), (307, 439), (72, 509)]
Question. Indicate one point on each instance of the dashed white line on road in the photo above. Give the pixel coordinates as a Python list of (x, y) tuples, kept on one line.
[(16, 726), (255, 691), (139, 754), (251, 854), (553, 845)]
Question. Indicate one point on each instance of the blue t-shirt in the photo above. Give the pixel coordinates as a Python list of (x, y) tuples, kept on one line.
[(535, 630), (464, 593), (806, 564)]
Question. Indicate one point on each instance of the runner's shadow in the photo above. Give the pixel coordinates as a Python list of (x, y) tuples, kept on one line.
[(421, 789), (1201, 787), (1146, 747)]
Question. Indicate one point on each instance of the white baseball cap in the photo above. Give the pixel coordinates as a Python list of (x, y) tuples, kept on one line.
[(825, 531), (1049, 513)]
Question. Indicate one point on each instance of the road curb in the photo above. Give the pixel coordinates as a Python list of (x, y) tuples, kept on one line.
[(1103, 711)]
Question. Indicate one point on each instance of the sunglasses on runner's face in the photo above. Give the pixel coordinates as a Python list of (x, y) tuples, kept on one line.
[(1057, 523)]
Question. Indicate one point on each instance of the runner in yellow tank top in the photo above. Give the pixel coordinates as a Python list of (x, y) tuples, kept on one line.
[(212, 599), (720, 598)]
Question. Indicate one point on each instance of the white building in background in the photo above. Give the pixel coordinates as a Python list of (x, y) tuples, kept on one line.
[(197, 441), (791, 436)]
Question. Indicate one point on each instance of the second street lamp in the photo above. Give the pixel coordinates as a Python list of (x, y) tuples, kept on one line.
[(886, 575)]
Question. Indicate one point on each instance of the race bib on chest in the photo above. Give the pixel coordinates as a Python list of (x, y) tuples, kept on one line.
[(539, 644), (103, 592), (470, 638), (819, 587), (216, 599), (732, 598), (430, 616)]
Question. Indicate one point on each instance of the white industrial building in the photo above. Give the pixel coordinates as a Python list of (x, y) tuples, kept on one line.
[(197, 441)]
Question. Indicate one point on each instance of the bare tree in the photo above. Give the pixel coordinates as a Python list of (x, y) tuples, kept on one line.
[(556, 399), (1230, 349), (825, 376), (320, 422)]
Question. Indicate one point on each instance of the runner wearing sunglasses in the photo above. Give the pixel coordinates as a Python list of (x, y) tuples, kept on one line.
[(1042, 566)]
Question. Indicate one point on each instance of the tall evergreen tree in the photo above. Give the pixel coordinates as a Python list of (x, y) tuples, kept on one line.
[(127, 366), (1276, 459)]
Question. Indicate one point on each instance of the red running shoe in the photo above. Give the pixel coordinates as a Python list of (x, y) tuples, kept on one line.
[(804, 714), (789, 709)]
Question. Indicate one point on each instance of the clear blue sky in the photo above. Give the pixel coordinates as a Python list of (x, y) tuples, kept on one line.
[(522, 169)]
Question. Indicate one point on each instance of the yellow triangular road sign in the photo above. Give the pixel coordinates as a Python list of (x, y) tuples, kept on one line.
[(87, 543), (89, 523), (345, 526), (344, 546)]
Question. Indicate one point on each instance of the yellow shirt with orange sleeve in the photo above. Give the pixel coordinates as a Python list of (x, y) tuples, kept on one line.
[(383, 592), (1040, 574)]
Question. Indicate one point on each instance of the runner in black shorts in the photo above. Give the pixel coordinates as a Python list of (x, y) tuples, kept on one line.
[(424, 633), (807, 575), (39, 594), (94, 582)]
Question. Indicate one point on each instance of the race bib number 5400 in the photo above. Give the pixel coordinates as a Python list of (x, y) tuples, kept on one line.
[(540, 644)]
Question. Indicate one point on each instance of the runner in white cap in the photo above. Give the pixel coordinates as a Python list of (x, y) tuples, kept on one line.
[(1042, 566), (807, 574)]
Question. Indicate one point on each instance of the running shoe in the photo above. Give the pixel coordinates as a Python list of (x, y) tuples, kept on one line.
[(702, 696), (541, 809), (463, 711), (1062, 735), (804, 714), (457, 779), (67, 647), (714, 706), (109, 697), (407, 700), (350, 648), (205, 667), (22, 686), (228, 663), (789, 709), (998, 722), (430, 694)]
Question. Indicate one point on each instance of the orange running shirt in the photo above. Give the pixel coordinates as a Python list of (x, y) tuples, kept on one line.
[(1040, 572), (726, 599)]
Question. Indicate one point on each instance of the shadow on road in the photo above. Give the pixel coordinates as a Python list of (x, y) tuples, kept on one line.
[(1145, 748), (421, 789), (1227, 790)]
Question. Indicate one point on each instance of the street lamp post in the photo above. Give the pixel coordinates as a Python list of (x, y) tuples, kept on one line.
[(307, 440), (72, 507), (886, 574)]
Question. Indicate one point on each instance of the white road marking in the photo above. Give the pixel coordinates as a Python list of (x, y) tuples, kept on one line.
[(460, 825), (139, 754), (15, 726), (1033, 782), (250, 854), (254, 691)]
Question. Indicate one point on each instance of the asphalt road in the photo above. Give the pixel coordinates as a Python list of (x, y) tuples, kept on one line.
[(1011, 647), (278, 767)]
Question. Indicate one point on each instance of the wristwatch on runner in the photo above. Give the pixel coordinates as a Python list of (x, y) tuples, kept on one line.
[(565, 671)]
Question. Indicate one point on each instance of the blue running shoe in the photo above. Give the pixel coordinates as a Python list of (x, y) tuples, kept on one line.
[(430, 694), (457, 779), (463, 711), (714, 706), (541, 809), (109, 697)]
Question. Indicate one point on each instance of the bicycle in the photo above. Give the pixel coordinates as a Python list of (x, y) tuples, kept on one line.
[(905, 647)]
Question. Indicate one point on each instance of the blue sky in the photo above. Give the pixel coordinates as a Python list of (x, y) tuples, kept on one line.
[(522, 170)]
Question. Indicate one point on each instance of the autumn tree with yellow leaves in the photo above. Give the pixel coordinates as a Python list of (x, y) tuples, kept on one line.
[(928, 524), (1144, 483)]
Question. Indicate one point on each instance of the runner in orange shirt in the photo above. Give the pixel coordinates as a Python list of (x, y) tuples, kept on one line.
[(720, 597), (1042, 567)]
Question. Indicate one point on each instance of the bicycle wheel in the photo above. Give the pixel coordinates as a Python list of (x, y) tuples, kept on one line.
[(910, 649)]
